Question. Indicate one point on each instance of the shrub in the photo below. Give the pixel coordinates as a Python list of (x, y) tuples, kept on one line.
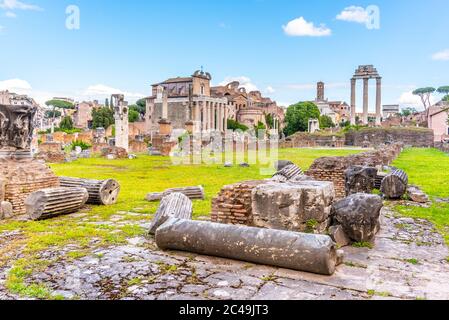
[(81, 144)]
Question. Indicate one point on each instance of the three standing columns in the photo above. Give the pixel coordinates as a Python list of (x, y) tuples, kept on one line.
[(365, 118)]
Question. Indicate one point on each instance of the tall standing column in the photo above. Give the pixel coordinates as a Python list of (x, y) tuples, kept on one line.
[(204, 116), (365, 100), (378, 101), (198, 116), (208, 115), (225, 118), (214, 108), (353, 102), (220, 107)]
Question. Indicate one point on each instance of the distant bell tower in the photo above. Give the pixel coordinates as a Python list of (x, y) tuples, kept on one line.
[(320, 91)]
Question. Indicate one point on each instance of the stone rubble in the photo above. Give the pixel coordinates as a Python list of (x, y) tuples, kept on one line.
[(407, 262)]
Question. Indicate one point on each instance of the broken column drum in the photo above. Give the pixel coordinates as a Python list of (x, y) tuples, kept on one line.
[(102, 192), (394, 185), (175, 205), (289, 172), (48, 203), (291, 250)]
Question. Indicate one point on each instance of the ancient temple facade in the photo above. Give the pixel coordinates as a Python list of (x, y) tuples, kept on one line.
[(185, 100)]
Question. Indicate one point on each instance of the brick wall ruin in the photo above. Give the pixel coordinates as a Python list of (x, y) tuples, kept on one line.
[(21, 178), (233, 203), (306, 140), (333, 168), (415, 137)]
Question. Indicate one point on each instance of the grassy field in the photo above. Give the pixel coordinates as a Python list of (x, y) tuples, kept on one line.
[(429, 169), (137, 177), (153, 174)]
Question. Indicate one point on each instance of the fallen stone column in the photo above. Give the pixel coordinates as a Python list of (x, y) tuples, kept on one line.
[(291, 250), (394, 185), (47, 203), (193, 193), (174, 205), (103, 192)]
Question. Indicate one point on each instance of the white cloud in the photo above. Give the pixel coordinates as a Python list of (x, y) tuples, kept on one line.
[(10, 14), (354, 14), (104, 90), (270, 90), (441, 56), (18, 5), (245, 82), (15, 85), (301, 28), (409, 99)]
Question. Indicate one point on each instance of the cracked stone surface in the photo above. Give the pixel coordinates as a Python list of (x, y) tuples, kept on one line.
[(408, 261)]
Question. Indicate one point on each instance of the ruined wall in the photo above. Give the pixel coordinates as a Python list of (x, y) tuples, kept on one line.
[(415, 137), (233, 203), (333, 168), (307, 140), (21, 178), (138, 146)]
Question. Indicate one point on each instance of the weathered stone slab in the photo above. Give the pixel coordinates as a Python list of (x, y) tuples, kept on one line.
[(301, 206), (339, 236), (291, 250), (6, 210), (359, 216), (417, 195)]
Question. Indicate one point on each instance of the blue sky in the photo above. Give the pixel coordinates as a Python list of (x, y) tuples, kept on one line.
[(280, 47)]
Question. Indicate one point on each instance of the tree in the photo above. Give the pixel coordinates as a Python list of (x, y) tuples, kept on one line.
[(234, 126), (133, 115), (66, 123), (52, 114), (298, 116), (424, 94), (102, 117), (259, 127), (326, 122), (59, 104), (269, 120), (444, 90), (142, 106), (408, 112)]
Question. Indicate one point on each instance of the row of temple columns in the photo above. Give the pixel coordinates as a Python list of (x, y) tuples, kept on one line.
[(365, 119), (210, 116)]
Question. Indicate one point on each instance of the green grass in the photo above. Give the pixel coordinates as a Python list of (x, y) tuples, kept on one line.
[(428, 169), (137, 177)]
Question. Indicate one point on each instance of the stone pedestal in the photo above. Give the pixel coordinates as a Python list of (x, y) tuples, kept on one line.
[(301, 206), (165, 127)]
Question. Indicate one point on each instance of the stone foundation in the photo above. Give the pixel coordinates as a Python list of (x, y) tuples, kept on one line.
[(21, 178), (333, 169)]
